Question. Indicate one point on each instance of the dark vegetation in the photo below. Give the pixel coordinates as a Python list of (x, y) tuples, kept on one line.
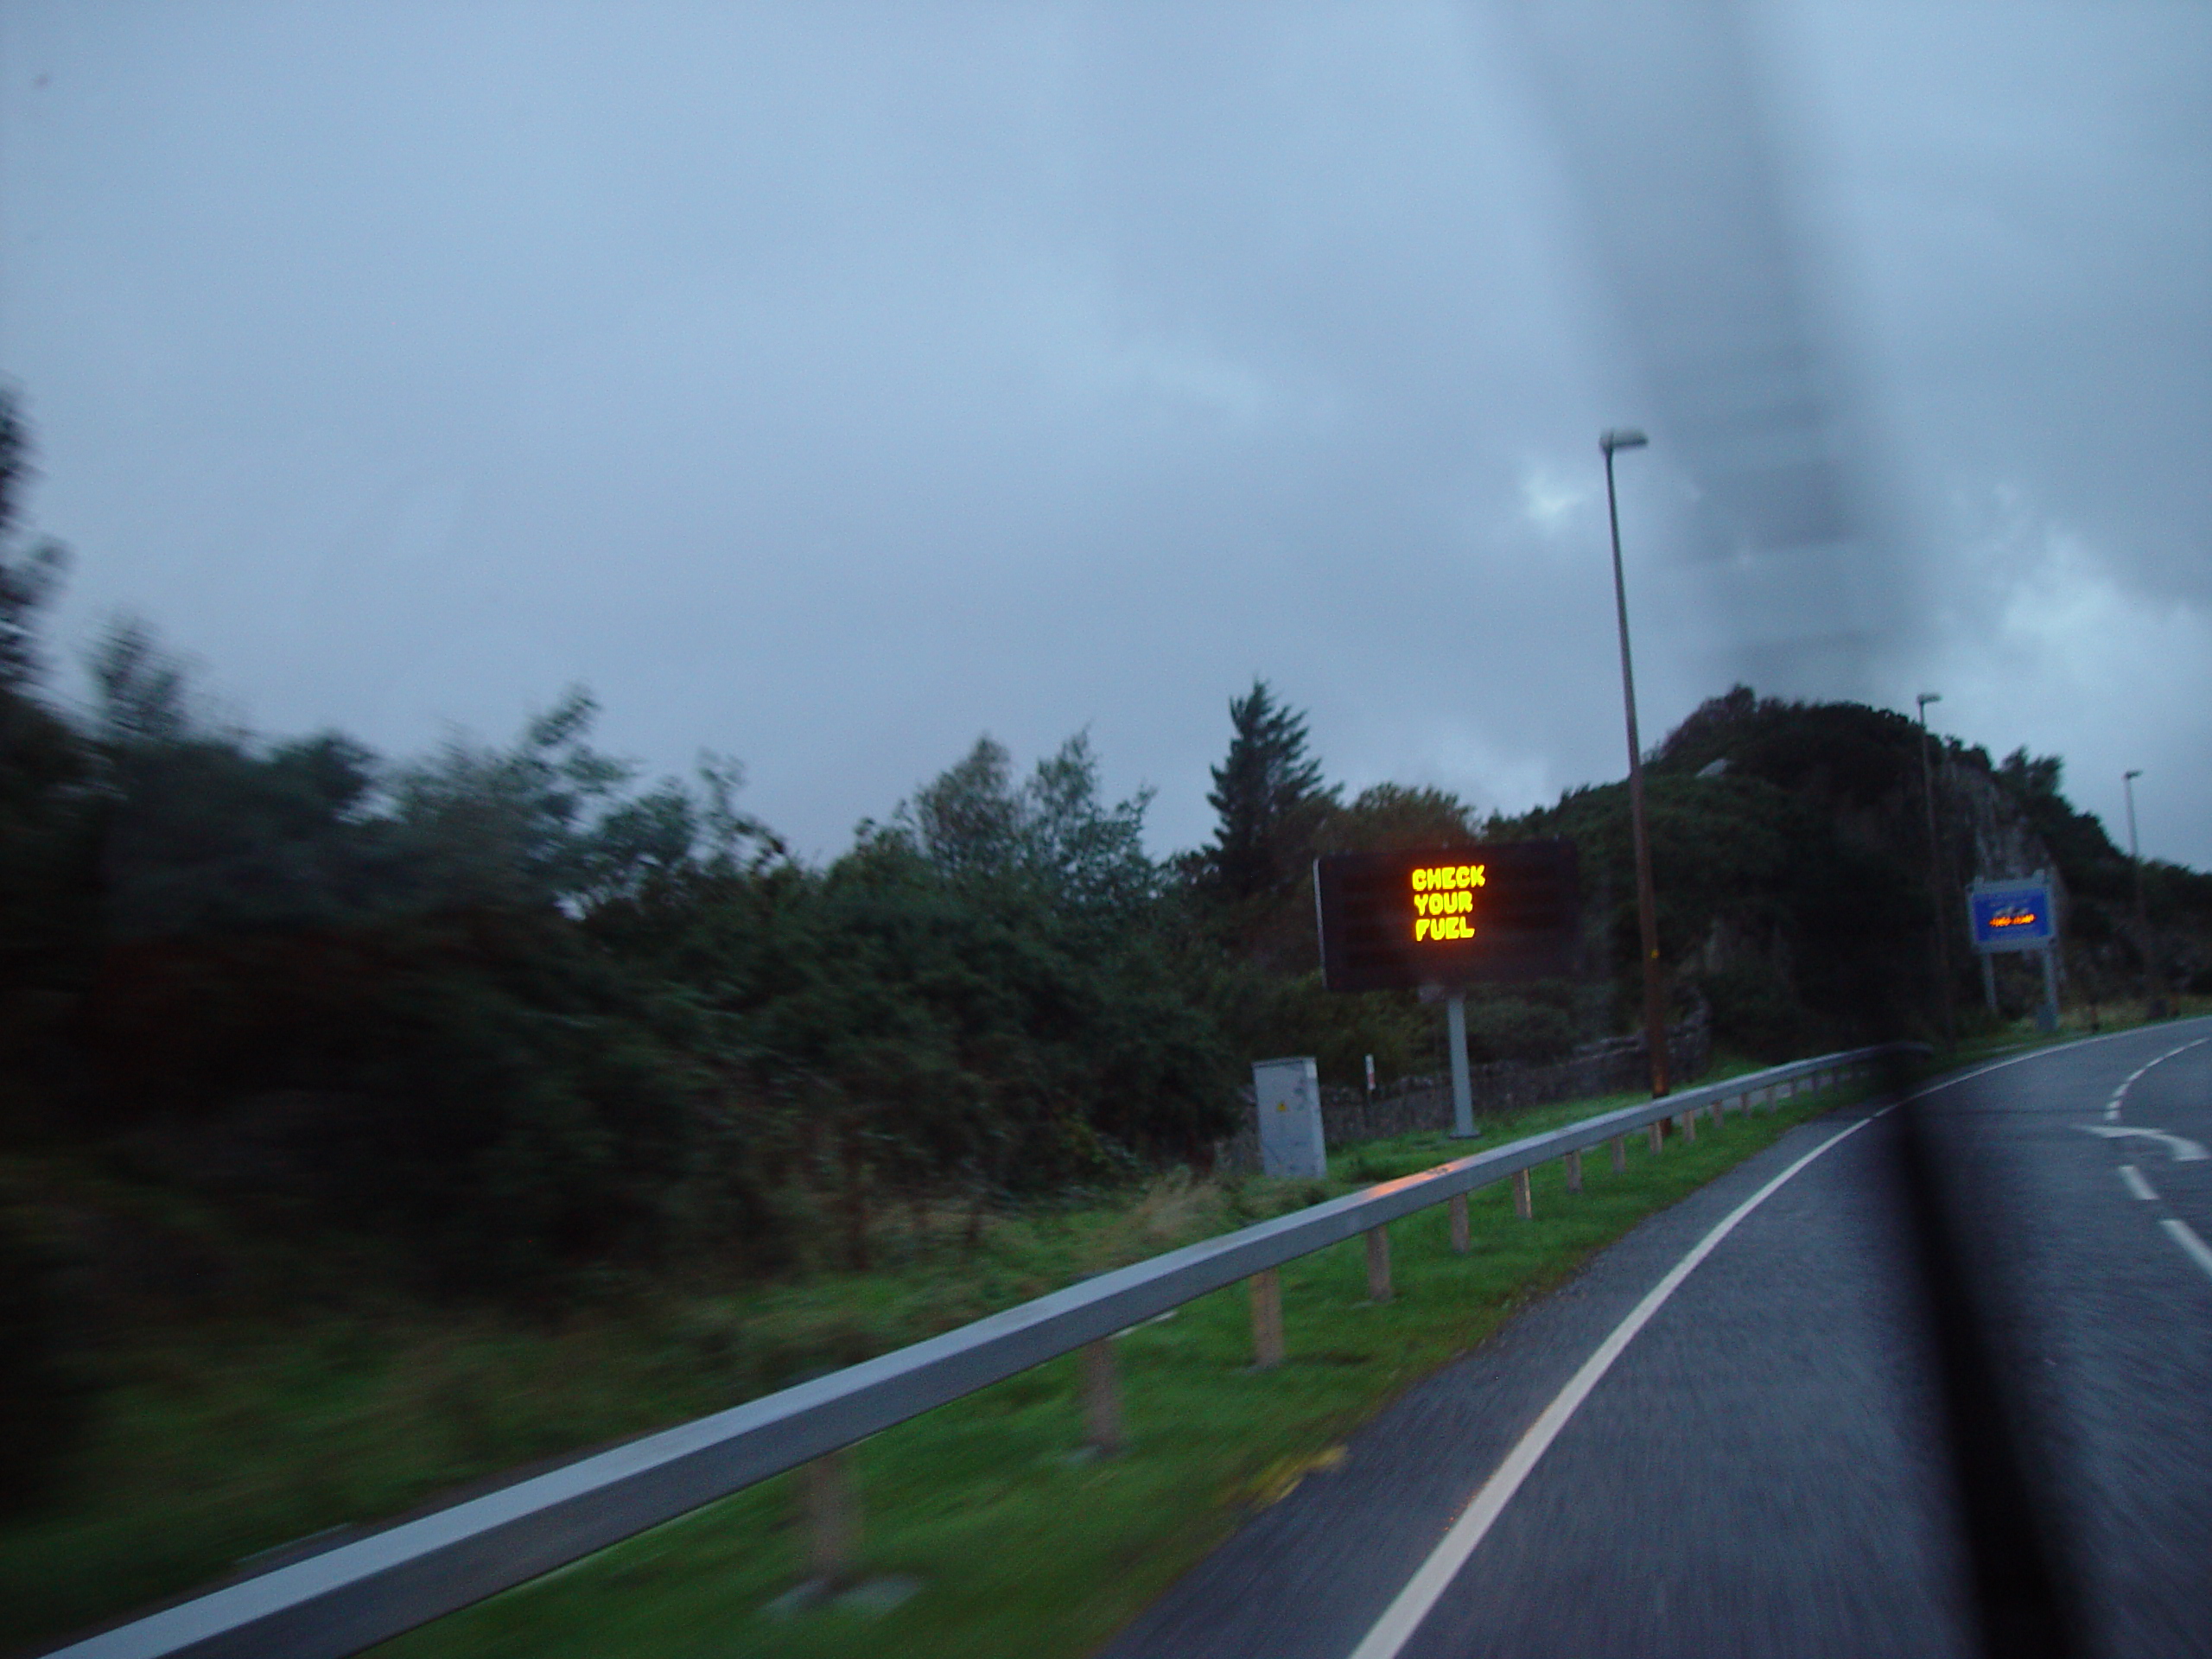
[(286, 1024)]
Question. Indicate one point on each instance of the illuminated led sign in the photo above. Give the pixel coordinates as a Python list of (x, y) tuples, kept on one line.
[(2012, 915), (1448, 916)]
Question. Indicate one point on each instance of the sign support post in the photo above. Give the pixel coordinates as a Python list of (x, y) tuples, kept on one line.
[(2018, 914), (1462, 1095)]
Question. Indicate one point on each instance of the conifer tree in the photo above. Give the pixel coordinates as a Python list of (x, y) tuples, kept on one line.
[(1269, 797)]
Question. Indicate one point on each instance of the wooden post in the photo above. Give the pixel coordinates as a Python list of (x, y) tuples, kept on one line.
[(1378, 1264), (1574, 1162), (1267, 1318), (1718, 1120), (1522, 1206), (1457, 1209), (831, 1512), (1687, 1122), (1658, 1133), (1102, 1397), (1620, 1154)]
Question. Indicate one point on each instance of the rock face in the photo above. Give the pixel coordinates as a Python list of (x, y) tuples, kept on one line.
[(1987, 825)]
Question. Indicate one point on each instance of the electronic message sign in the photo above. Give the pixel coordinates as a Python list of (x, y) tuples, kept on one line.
[(1448, 915), (2012, 915)]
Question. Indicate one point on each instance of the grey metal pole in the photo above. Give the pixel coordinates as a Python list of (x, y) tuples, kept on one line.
[(1936, 876), (2154, 990), (1647, 902), (1462, 1094)]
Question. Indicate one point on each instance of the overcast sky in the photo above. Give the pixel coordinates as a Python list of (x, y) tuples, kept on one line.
[(826, 386)]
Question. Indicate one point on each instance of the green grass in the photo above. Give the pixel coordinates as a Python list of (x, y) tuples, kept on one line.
[(1019, 1548), (215, 1442)]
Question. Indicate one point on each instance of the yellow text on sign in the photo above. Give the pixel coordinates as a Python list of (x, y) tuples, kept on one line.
[(1443, 898), (1442, 878), (1443, 927)]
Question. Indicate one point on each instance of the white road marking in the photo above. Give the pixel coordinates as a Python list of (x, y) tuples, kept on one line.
[(1404, 1616), (2132, 1177), (2193, 1246), (2184, 1150), (2112, 1106)]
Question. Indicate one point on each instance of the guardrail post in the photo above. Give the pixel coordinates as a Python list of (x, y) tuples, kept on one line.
[(1686, 1122), (1267, 1318), (1102, 1397), (1574, 1162), (1378, 1264), (1620, 1153), (1719, 1120), (1522, 1206), (831, 1511), (1457, 1209), (1658, 1133)]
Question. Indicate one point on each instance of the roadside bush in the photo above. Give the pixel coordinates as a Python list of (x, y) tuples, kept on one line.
[(44, 1404)]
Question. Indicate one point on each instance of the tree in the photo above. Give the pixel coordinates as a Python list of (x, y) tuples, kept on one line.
[(1389, 817), (1269, 796), (972, 821), (46, 869)]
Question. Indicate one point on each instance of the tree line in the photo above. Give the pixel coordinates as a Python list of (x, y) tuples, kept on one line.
[(282, 1017)]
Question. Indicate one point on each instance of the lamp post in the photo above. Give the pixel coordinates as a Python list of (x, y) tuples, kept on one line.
[(1935, 874), (2154, 990), (1647, 903)]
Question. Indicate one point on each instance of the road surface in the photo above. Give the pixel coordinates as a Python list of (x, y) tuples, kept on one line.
[(1758, 1461)]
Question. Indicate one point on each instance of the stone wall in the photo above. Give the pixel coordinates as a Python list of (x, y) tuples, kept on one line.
[(1348, 1116)]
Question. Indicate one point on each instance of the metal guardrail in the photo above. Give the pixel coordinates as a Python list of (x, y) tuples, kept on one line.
[(360, 1592)]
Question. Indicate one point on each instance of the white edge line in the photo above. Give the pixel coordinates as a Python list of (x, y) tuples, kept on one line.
[(1404, 1614), (2132, 1177), (2186, 1236), (1411, 1606)]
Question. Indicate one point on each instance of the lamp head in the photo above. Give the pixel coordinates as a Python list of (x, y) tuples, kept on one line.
[(2129, 777), (1927, 697), (1621, 437)]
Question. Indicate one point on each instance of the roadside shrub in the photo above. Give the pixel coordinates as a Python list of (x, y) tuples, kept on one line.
[(44, 1403)]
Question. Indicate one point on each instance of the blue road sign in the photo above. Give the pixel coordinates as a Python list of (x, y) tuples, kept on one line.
[(2012, 915)]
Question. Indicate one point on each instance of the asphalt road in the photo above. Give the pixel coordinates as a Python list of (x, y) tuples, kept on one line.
[(1766, 1467)]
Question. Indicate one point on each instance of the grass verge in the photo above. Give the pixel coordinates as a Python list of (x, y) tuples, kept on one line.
[(1014, 1545)]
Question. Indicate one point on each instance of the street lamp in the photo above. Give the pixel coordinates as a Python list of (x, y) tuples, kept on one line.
[(1647, 903), (2154, 991), (1935, 873)]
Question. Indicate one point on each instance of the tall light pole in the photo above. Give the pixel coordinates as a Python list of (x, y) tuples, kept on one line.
[(1935, 874), (1647, 903), (2154, 990)]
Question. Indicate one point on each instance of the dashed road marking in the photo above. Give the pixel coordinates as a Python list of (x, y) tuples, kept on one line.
[(2120, 1094), (2191, 1246), (2132, 1177)]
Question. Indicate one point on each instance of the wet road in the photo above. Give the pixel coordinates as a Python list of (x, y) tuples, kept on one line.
[(1764, 1466)]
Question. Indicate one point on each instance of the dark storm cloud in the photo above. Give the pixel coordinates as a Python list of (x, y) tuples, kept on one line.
[(827, 386)]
